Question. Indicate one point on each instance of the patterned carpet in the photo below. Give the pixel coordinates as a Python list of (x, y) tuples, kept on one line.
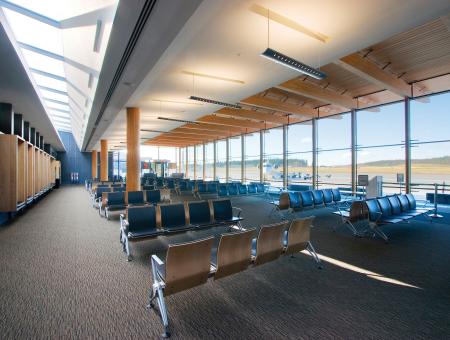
[(63, 275)]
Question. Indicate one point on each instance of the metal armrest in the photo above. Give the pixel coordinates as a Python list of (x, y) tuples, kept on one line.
[(157, 266), (239, 211)]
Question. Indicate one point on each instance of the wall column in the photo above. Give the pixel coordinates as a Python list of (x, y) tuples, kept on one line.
[(104, 160), (407, 145), (94, 173), (354, 146), (133, 149)]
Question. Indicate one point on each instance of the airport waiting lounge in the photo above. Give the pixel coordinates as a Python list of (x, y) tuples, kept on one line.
[(224, 169)]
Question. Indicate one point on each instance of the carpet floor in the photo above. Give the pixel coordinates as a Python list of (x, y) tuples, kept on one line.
[(64, 276)]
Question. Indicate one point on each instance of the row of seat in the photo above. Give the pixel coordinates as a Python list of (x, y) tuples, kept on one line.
[(117, 201), (391, 210), (235, 189), (294, 201), (191, 264), (167, 219)]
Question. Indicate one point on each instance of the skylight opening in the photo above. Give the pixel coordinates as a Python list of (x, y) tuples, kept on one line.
[(54, 96), (50, 82), (43, 63)]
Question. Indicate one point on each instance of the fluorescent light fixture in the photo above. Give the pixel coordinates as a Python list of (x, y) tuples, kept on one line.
[(148, 130), (296, 65), (212, 101), (178, 120)]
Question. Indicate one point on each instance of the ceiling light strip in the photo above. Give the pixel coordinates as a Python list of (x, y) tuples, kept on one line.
[(178, 120), (216, 102), (293, 64)]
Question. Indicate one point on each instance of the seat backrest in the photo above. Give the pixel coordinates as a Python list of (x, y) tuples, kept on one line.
[(212, 187), (295, 200), (373, 209), (116, 185), (327, 196), (116, 198), (385, 206), (187, 265), (283, 203), (135, 197), (222, 210), (412, 201), (199, 212), (234, 253), (172, 215), (153, 196), (141, 218), (201, 187), (395, 205), (148, 187), (404, 202), (307, 198), (269, 245), (182, 185), (260, 188), (299, 235), (336, 195), (242, 189), (100, 190), (318, 197), (119, 189), (251, 188), (232, 189), (223, 191)]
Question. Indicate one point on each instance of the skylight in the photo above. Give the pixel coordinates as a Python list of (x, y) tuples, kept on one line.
[(49, 35)]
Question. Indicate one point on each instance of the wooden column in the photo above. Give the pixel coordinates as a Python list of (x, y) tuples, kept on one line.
[(94, 164), (133, 149), (104, 160)]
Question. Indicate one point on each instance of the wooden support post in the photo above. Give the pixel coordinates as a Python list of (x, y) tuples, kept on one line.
[(94, 173), (133, 149), (104, 160)]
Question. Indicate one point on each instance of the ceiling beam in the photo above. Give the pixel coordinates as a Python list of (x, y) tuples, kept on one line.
[(272, 104), (236, 122), (195, 132), (316, 92), (368, 70), (259, 116), (215, 127)]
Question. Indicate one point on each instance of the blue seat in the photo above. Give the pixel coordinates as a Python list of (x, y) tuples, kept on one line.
[(212, 187), (260, 188), (232, 189), (413, 205), (148, 187), (295, 201), (173, 217), (404, 205), (114, 201), (336, 195), (327, 196), (307, 199), (252, 189), (223, 190), (223, 212), (153, 196), (242, 189), (135, 198), (299, 187), (318, 197), (119, 189), (201, 187), (199, 213)]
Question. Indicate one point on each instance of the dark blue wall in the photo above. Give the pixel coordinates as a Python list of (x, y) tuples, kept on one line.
[(73, 160)]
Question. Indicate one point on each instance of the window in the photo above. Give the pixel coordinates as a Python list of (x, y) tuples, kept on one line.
[(430, 151), (199, 161), (190, 161), (221, 162), (299, 153), (235, 167), (380, 140), (334, 151), (183, 161), (273, 157), (209, 161), (252, 154)]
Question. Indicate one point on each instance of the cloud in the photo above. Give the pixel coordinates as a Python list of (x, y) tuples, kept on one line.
[(305, 140)]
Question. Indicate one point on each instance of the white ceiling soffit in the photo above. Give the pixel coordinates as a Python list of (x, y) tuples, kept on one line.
[(141, 33), (17, 89), (224, 38), (62, 45)]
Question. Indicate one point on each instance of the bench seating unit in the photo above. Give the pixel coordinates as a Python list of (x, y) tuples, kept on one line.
[(191, 264), (350, 217), (135, 198), (115, 201), (96, 197), (176, 218)]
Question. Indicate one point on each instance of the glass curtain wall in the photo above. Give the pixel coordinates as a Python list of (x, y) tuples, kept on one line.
[(430, 139), (273, 157), (199, 161), (209, 161), (235, 159), (380, 140), (190, 161), (251, 157), (221, 162), (299, 153), (334, 156)]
